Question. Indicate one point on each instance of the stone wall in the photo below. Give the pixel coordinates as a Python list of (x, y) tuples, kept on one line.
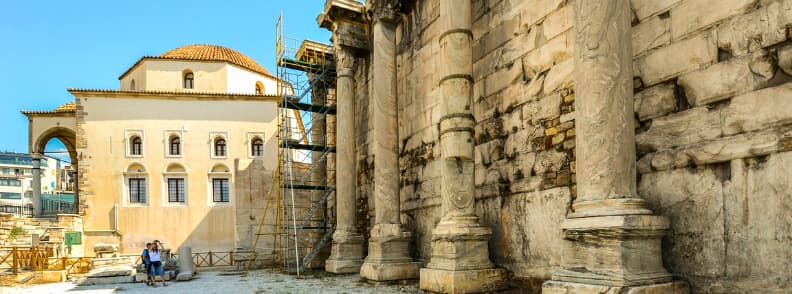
[(713, 100), (713, 128)]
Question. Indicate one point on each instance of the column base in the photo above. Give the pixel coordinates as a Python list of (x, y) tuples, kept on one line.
[(346, 255), (343, 266), (613, 251), (390, 271), (556, 287), (470, 281), (388, 256)]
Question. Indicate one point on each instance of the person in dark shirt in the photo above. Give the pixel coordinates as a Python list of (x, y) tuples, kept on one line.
[(147, 262)]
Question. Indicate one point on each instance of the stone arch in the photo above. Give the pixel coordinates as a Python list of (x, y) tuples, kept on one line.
[(220, 168), (66, 135)]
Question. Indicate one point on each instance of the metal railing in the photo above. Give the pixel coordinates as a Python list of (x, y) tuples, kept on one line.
[(17, 210)]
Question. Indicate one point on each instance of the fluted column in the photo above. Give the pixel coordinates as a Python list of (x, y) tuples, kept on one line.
[(611, 237), (388, 251), (460, 255), (347, 252)]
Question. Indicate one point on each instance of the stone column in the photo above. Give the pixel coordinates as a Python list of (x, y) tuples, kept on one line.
[(347, 251), (345, 18), (460, 253), (388, 254), (36, 185), (612, 240)]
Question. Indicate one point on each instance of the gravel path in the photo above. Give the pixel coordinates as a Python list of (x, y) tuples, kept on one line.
[(261, 281)]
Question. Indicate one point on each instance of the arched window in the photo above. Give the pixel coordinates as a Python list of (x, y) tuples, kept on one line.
[(137, 189), (136, 146), (174, 145), (259, 88), (257, 147), (132, 85), (220, 147), (189, 79)]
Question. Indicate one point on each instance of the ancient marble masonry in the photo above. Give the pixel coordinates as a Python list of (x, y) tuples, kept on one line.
[(565, 146)]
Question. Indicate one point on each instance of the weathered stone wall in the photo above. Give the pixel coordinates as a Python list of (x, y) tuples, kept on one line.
[(713, 100), (713, 126)]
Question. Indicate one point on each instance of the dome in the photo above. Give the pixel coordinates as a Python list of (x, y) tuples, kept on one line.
[(215, 53)]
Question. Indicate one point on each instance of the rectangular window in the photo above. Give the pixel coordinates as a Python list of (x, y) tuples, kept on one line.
[(220, 190), (176, 190), (10, 195), (10, 182), (137, 190)]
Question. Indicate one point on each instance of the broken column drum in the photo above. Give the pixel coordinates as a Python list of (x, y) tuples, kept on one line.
[(460, 251)]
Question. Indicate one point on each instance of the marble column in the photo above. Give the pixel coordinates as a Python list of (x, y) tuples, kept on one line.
[(460, 252), (36, 185), (611, 237), (347, 252), (388, 253)]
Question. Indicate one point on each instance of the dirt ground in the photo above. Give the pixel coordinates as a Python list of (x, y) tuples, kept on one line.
[(261, 281)]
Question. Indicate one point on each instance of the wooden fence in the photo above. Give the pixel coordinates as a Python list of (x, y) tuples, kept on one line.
[(37, 260)]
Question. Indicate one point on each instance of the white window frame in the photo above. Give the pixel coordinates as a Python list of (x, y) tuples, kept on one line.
[(128, 134), (249, 144), (214, 135), (166, 196), (125, 186), (210, 188), (167, 134)]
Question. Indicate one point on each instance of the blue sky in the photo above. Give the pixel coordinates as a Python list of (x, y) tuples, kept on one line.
[(48, 46)]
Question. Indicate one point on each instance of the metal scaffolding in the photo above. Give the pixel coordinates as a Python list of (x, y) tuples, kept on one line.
[(303, 181)]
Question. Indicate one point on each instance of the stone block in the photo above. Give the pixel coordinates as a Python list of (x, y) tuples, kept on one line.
[(540, 110), (720, 150), (556, 287), (647, 8), (655, 101), (53, 276), (496, 37), (391, 271), (559, 76), (105, 280), (678, 58), (537, 10), (652, 33), (558, 22), (543, 58), (518, 93), (613, 250), (766, 108), (111, 271), (693, 202), (683, 128), (762, 28), (536, 215), (453, 282), (785, 59), (693, 15), (758, 222), (549, 161), (726, 79)]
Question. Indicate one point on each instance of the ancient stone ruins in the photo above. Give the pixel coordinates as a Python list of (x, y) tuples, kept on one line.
[(564, 146), (531, 146)]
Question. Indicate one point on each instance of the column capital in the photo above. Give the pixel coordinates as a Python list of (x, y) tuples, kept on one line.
[(384, 10), (345, 59), (346, 20)]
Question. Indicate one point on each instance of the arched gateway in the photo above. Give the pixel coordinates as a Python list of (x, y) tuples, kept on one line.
[(43, 126)]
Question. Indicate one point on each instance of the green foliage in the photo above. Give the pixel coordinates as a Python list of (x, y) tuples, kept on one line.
[(16, 231)]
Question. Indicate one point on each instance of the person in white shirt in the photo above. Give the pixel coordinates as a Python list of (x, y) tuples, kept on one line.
[(157, 266)]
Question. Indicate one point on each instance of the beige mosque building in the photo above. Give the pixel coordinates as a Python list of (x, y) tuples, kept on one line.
[(179, 153)]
